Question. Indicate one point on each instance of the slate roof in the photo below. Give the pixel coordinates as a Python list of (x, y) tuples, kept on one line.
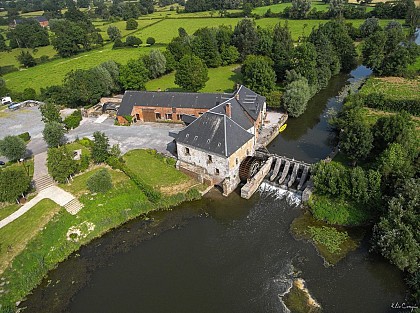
[(215, 133), (203, 101), (39, 19), (238, 113), (250, 101)]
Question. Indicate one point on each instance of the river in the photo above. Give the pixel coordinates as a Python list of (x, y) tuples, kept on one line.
[(224, 254)]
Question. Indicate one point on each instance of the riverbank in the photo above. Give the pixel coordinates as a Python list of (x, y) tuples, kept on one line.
[(65, 233)]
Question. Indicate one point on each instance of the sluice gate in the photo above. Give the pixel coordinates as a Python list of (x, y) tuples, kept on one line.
[(278, 170)]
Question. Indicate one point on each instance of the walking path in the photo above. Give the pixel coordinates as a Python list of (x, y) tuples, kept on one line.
[(47, 190)]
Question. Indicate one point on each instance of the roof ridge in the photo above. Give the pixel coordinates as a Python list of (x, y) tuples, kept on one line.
[(226, 144)]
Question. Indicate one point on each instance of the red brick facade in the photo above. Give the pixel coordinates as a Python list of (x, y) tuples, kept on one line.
[(156, 114)]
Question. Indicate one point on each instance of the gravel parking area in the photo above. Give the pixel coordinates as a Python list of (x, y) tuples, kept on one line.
[(145, 135)]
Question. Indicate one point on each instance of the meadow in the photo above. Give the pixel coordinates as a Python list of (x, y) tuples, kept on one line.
[(53, 72)]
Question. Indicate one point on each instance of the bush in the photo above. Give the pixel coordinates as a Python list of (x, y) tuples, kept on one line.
[(25, 136), (100, 181), (131, 24), (84, 163), (150, 41), (380, 102), (86, 142), (115, 163), (274, 99), (153, 195), (133, 41), (73, 120)]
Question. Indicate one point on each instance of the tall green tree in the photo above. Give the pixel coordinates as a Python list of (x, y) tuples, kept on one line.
[(356, 140), (28, 34), (397, 235), (204, 45), (305, 62), (245, 38), (100, 147), (13, 183), (299, 9), (282, 50), (131, 24), (54, 134), (258, 74), (134, 75), (50, 113), (156, 63), (113, 33), (12, 147), (191, 73), (296, 97), (61, 164), (69, 37)]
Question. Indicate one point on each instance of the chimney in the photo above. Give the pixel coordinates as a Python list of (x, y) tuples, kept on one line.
[(238, 86), (228, 110), (237, 96), (159, 89)]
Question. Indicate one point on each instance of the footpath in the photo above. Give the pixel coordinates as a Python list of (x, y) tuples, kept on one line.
[(46, 189)]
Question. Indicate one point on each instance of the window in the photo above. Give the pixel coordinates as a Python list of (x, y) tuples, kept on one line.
[(217, 171), (209, 159), (178, 117), (187, 151), (158, 116), (168, 116), (237, 161)]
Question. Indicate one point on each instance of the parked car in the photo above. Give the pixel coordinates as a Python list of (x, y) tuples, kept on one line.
[(2, 163), (6, 100)]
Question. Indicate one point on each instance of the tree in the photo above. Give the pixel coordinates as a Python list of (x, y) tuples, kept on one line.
[(131, 41), (191, 73), (13, 148), (150, 41), (304, 62), (54, 134), (299, 9), (113, 33), (156, 63), (114, 71), (73, 120), (395, 162), (28, 34), (100, 181), (296, 97), (245, 38), (369, 26), (265, 41), (50, 113), (229, 55), (170, 61), (26, 59), (29, 94), (118, 44), (3, 46), (131, 24), (258, 73), (282, 49), (331, 178), (61, 164), (13, 183), (69, 37), (204, 45), (247, 9), (134, 75), (397, 236), (356, 140), (100, 147)]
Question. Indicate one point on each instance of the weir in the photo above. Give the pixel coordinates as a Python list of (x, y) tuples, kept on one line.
[(280, 171)]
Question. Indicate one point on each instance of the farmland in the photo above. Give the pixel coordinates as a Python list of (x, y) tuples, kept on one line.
[(52, 73)]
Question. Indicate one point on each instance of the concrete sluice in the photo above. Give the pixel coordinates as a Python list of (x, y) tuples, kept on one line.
[(303, 177), (285, 172), (294, 175), (277, 166)]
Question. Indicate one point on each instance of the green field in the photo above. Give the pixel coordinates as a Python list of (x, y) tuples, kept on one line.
[(222, 79), (9, 58), (279, 7), (397, 88), (52, 73)]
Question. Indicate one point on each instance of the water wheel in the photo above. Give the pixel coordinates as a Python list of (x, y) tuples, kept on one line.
[(249, 167)]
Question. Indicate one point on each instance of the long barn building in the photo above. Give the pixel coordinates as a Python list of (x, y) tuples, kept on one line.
[(222, 128)]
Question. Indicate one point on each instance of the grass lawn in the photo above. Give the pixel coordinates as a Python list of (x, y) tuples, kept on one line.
[(415, 66), (6, 210), (221, 79), (79, 184), (393, 87), (9, 58), (17, 234), (332, 243), (76, 146), (29, 164), (157, 171)]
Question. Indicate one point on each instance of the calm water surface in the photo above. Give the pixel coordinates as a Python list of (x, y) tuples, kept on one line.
[(223, 254)]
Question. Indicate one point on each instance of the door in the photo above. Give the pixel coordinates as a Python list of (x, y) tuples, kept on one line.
[(149, 115)]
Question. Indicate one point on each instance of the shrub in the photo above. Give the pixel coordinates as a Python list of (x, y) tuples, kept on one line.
[(25, 136), (86, 142), (84, 163), (100, 181), (131, 24), (150, 41), (115, 162), (73, 120)]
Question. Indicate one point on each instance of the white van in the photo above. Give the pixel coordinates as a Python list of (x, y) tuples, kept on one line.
[(6, 100)]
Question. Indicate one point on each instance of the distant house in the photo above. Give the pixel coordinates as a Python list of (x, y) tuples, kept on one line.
[(222, 128), (40, 19)]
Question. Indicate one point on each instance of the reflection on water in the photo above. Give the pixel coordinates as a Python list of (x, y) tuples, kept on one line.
[(309, 138)]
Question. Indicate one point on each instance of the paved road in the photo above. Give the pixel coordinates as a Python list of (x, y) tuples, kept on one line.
[(147, 135)]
